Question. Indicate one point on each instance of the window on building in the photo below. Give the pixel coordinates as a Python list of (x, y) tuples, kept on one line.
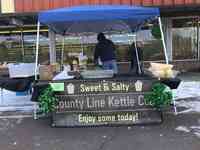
[(29, 42), (184, 38), (10, 47), (18, 44), (151, 45)]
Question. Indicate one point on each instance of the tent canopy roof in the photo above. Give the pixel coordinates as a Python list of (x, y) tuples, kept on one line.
[(87, 18)]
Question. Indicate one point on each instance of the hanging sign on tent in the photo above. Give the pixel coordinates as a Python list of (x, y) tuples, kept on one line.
[(104, 102)]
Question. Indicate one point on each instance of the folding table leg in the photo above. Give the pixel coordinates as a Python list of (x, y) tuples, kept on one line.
[(35, 111), (174, 102), (175, 110), (2, 96)]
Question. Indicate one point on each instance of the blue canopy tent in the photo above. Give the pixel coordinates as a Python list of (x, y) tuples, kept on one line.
[(61, 20), (97, 18)]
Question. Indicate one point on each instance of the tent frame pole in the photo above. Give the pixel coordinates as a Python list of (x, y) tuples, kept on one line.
[(36, 64), (22, 43), (63, 49), (37, 49), (163, 40), (137, 56)]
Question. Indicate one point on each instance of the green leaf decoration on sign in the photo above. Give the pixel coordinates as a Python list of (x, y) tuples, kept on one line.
[(47, 100), (160, 96)]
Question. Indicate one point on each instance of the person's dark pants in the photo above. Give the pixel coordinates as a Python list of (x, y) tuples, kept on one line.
[(135, 69)]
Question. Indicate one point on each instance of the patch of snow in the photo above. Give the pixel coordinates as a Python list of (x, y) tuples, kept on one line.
[(193, 129), (187, 90), (11, 98), (21, 108), (182, 128), (4, 124), (104, 136), (129, 128), (197, 134), (191, 106), (11, 101), (19, 121), (37, 144), (196, 130)]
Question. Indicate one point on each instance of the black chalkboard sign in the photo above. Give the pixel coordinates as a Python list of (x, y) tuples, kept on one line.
[(104, 102)]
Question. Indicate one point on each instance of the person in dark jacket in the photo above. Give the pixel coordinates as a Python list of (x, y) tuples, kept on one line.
[(134, 61), (105, 50)]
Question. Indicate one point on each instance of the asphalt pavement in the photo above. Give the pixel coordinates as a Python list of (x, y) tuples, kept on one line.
[(177, 132)]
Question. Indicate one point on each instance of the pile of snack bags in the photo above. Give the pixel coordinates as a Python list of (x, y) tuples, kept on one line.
[(161, 70)]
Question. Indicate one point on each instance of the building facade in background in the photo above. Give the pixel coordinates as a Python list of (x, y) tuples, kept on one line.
[(181, 20)]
